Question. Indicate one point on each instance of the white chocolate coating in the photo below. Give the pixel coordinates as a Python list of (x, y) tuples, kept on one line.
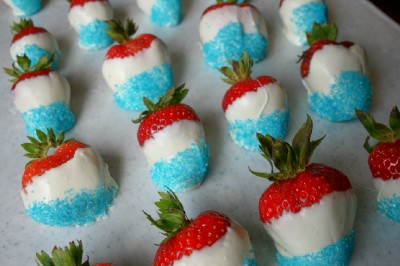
[(265, 100), (229, 250), (83, 15), (86, 170), (213, 21), (41, 90), (16, 11), (43, 40), (172, 139), (117, 71), (146, 5), (387, 188), (314, 227), (340, 58), (286, 14)]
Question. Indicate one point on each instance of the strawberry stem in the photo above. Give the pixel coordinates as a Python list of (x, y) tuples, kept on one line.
[(23, 23), (239, 71), (71, 256), (121, 33), (290, 160)]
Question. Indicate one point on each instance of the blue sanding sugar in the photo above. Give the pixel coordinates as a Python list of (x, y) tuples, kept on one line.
[(305, 16), (151, 84), (336, 254), (167, 12), (231, 42), (243, 132), (79, 209), (251, 260), (237, 2), (34, 53), (351, 90), (390, 207), (93, 36), (28, 7), (185, 171), (57, 116)]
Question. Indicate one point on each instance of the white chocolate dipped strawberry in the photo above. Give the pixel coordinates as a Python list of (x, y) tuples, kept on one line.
[(24, 8), (166, 13)]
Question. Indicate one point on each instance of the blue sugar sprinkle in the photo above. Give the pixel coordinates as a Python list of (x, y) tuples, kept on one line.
[(167, 12), (75, 210), (305, 16), (390, 207), (336, 254), (350, 90), (34, 53), (28, 7), (57, 116), (231, 42), (251, 260), (151, 84), (237, 2), (93, 36), (185, 171), (243, 132)]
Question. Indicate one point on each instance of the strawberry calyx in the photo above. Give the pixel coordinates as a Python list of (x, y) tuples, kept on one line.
[(24, 63), (290, 160), (172, 97), (240, 70), (379, 131), (72, 255), (39, 148), (172, 216), (121, 33), (23, 28), (320, 32)]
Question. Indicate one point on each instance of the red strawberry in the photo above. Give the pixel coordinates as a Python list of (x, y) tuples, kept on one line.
[(188, 237), (24, 28), (384, 161), (43, 162), (83, 2), (72, 255), (294, 209), (223, 4)]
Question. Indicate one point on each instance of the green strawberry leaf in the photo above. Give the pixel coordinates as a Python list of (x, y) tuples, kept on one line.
[(394, 121), (239, 70)]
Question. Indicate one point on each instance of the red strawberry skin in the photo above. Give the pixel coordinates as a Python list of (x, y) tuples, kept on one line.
[(27, 31), (384, 160), (29, 75), (162, 118), (104, 264), (224, 4), (306, 189), (132, 47), (83, 2), (241, 88), (203, 231), (305, 64), (61, 155)]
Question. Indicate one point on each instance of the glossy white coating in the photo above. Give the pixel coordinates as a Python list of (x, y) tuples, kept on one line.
[(83, 15), (42, 90), (43, 40), (265, 100), (146, 5), (86, 170), (172, 139), (329, 62), (314, 227), (229, 250), (213, 21), (286, 14), (117, 71), (387, 188)]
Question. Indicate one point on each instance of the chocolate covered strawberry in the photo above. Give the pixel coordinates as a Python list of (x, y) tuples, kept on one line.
[(24, 8), (167, 13), (34, 42), (42, 95), (67, 256), (172, 138), (70, 187), (384, 161), (298, 17), (88, 18), (309, 209), (253, 105), (209, 239), (228, 29), (335, 75), (136, 67)]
